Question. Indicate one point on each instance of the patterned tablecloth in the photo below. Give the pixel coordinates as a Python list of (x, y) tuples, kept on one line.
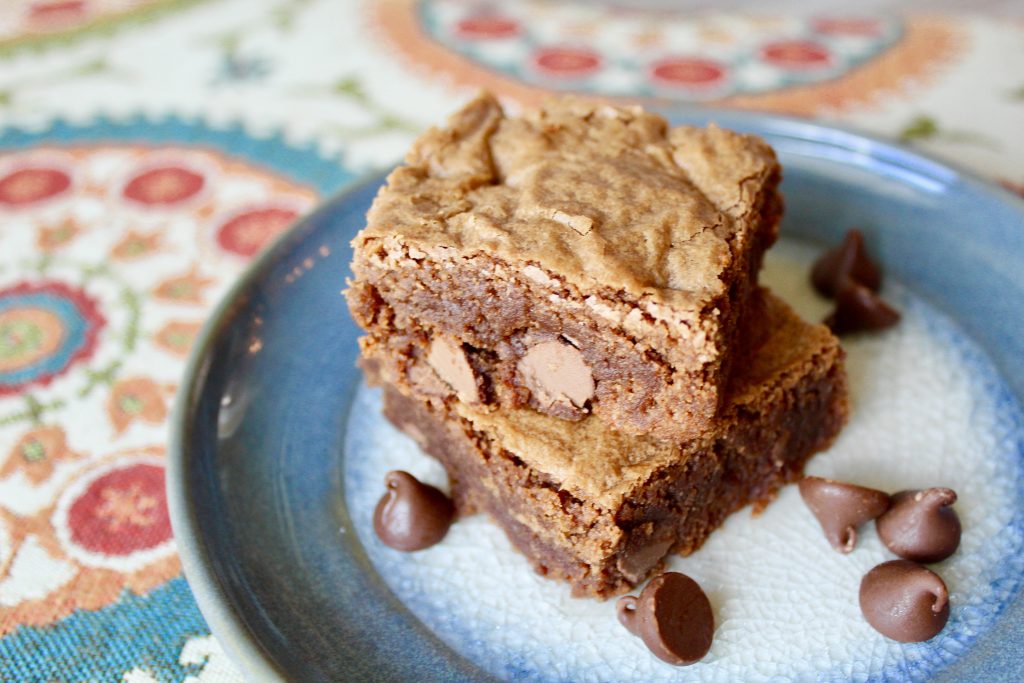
[(150, 148)]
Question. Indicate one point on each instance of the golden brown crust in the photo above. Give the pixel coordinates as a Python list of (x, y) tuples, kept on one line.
[(603, 196), (592, 226)]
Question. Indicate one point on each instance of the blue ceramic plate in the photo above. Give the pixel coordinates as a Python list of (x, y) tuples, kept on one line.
[(286, 573)]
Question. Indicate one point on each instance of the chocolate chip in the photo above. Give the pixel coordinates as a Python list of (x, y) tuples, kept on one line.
[(556, 372), (672, 616), (849, 261), (841, 508), (921, 526), (448, 359), (904, 601), (642, 558), (859, 309), (411, 515)]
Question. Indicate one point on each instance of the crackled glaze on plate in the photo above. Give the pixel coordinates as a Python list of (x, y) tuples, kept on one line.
[(928, 410)]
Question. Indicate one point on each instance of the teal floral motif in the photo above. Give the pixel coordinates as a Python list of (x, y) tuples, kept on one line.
[(16, 339), (44, 329)]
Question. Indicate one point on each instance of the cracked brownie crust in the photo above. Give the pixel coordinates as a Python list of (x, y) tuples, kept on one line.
[(600, 509), (577, 259)]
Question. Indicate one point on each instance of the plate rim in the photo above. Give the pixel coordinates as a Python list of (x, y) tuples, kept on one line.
[(230, 631), (237, 640)]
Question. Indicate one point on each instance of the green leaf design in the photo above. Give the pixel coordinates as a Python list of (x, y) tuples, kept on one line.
[(921, 127), (92, 68), (33, 451), (131, 404), (924, 127), (349, 86)]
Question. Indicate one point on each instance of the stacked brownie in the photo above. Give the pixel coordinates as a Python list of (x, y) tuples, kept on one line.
[(563, 309)]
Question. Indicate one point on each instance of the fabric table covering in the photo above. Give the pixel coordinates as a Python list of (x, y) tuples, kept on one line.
[(149, 149)]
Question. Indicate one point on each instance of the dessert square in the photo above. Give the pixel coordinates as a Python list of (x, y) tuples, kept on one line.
[(601, 509), (577, 259)]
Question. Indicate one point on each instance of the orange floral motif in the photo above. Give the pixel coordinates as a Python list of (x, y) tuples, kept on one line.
[(51, 237), (647, 38), (135, 244), (187, 288), (137, 398), (177, 336), (37, 452), (716, 34), (88, 589)]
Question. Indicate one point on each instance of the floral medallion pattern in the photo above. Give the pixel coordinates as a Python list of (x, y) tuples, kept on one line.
[(45, 327), (89, 363), (525, 50)]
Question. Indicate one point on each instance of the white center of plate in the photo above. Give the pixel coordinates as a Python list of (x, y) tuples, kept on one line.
[(928, 410)]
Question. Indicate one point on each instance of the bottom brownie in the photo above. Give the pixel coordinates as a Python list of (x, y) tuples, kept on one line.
[(600, 509)]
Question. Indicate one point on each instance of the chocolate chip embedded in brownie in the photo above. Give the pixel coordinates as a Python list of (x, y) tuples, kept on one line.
[(578, 259), (601, 509)]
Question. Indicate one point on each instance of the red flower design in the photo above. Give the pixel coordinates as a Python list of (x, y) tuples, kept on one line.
[(247, 233), (57, 13), (32, 184), (566, 61), (164, 186), (688, 71), (122, 512), (796, 54), (487, 26)]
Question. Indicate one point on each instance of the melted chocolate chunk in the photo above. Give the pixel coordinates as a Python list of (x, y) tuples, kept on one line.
[(859, 309), (847, 262), (411, 515), (672, 616), (841, 508), (448, 359), (556, 372), (921, 526), (904, 601)]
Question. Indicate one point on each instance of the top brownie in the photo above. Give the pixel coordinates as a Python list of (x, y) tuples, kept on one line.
[(579, 258)]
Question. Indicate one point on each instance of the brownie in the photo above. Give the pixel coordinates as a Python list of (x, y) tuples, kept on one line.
[(601, 509), (579, 259)]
